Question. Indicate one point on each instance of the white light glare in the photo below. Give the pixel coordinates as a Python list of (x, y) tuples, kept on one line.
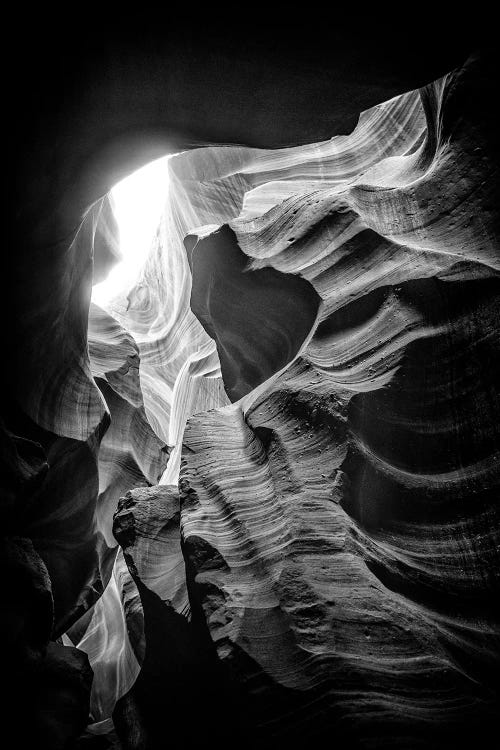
[(138, 201)]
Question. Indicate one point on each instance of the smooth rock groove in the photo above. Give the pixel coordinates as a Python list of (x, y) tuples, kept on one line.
[(350, 513), (328, 566)]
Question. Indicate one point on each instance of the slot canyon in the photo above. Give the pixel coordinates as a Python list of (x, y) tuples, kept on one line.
[(250, 485)]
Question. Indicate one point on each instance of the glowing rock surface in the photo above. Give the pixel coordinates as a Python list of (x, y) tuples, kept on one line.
[(345, 504), (362, 581), (310, 352)]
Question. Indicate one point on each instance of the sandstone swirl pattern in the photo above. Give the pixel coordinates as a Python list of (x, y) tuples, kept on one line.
[(348, 514), (324, 319)]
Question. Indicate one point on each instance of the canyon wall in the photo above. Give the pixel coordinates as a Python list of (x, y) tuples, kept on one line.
[(257, 488)]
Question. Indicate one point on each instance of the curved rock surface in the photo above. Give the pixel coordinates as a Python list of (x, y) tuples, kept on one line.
[(349, 512), (179, 669), (146, 526), (130, 453), (259, 319), (47, 701), (334, 567)]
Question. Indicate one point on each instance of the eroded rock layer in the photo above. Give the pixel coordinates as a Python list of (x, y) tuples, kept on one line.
[(330, 564), (179, 668), (350, 512)]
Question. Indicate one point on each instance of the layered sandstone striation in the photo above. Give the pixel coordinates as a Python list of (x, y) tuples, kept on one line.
[(351, 527), (258, 485)]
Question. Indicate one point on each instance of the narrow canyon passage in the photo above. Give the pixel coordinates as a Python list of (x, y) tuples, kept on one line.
[(252, 477)]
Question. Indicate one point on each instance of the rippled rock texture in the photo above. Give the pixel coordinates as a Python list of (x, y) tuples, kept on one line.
[(349, 512), (257, 488)]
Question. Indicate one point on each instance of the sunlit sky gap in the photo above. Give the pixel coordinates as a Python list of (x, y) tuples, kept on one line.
[(138, 203)]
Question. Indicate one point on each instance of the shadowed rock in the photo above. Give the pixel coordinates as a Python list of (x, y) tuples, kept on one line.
[(62, 697), (259, 319), (47, 701), (180, 671), (350, 508), (340, 524)]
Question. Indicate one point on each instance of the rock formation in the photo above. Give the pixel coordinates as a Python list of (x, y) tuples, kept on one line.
[(361, 584), (257, 486)]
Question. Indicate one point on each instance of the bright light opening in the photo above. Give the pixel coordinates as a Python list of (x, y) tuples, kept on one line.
[(138, 201)]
